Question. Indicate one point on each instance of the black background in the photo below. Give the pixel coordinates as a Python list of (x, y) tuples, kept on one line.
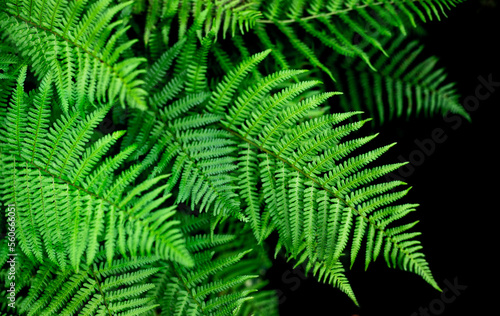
[(456, 185)]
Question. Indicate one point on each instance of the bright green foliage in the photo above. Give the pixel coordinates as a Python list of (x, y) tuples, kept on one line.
[(67, 202), (219, 283), (98, 289), (150, 149), (78, 43), (305, 167)]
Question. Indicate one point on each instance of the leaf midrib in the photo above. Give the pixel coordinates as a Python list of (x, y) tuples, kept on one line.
[(320, 15)]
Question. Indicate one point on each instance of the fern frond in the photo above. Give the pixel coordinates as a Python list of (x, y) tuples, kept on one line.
[(72, 198), (198, 159), (196, 71), (97, 288), (216, 285), (317, 168), (334, 276), (404, 86), (340, 25), (227, 87), (156, 72), (223, 148), (304, 49), (221, 16), (79, 44), (263, 302)]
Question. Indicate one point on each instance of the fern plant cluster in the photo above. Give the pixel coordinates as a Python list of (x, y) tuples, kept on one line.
[(225, 134)]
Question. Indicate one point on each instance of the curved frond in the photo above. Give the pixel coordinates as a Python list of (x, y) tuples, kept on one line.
[(81, 45), (70, 200), (304, 169), (405, 85)]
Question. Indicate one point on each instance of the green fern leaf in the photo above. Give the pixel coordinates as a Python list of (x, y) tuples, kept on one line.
[(328, 168), (64, 213), (95, 289), (403, 87), (81, 34)]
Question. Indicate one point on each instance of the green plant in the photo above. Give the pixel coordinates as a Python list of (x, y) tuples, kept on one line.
[(219, 139)]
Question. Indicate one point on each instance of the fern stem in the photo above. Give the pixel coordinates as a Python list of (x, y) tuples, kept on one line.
[(100, 290), (316, 16), (187, 288)]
